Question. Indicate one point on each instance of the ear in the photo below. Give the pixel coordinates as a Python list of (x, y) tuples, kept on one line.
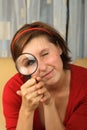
[(60, 50)]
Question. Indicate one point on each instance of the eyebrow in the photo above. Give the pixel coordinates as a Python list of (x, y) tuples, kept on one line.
[(43, 50)]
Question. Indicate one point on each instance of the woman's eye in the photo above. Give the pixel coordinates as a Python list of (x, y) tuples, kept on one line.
[(45, 54), (29, 62)]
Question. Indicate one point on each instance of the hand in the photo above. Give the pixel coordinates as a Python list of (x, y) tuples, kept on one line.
[(30, 92), (47, 98)]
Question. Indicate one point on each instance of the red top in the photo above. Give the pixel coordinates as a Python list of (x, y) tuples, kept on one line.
[(76, 113)]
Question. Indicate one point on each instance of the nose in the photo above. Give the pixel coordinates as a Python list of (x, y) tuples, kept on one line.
[(41, 66)]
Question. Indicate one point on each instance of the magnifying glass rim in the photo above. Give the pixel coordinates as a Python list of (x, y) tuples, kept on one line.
[(32, 56)]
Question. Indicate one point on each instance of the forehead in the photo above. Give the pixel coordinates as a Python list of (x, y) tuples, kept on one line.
[(38, 44)]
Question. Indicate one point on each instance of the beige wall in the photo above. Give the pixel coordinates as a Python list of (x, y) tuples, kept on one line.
[(7, 69)]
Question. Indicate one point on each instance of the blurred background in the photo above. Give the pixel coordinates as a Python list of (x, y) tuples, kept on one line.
[(69, 17)]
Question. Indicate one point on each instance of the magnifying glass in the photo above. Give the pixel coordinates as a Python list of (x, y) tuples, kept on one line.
[(26, 64)]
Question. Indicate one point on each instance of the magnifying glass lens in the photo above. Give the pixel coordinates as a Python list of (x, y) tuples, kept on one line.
[(26, 64)]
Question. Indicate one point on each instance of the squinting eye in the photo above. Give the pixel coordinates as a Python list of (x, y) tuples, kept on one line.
[(45, 54)]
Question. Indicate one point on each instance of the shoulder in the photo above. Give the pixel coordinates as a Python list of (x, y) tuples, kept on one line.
[(78, 81), (15, 81), (78, 87), (12, 85), (78, 72), (76, 68)]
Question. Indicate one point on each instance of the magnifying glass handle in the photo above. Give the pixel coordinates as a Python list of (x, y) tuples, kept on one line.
[(28, 76)]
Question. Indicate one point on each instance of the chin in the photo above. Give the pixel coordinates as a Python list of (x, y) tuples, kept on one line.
[(51, 82)]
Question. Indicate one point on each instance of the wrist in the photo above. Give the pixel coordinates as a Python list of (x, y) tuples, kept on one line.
[(26, 111), (51, 103)]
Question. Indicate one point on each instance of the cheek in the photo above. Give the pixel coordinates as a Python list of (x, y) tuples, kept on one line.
[(54, 59), (56, 62)]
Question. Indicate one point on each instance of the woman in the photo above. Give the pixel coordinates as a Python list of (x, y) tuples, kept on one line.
[(55, 97)]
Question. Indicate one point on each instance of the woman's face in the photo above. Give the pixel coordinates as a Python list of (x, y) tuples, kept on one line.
[(50, 66)]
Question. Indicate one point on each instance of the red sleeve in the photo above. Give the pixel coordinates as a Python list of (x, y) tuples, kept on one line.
[(76, 115), (11, 103)]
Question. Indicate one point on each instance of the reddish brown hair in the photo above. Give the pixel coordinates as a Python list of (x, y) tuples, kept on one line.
[(30, 31)]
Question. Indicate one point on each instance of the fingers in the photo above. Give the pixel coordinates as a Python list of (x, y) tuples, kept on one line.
[(30, 89), (29, 83), (32, 96), (46, 98), (34, 91), (19, 93)]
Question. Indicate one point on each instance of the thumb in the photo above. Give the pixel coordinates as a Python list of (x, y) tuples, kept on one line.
[(18, 92)]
